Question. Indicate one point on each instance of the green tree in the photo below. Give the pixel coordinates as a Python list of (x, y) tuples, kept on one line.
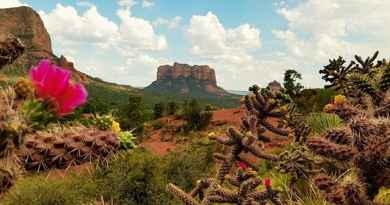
[(134, 114), (172, 108), (96, 106), (293, 88), (159, 110), (197, 118)]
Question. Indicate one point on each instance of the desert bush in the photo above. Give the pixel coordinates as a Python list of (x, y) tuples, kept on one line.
[(132, 178), (97, 106), (40, 190), (196, 117), (172, 108), (319, 122), (134, 114), (159, 110), (313, 100), (186, 165)]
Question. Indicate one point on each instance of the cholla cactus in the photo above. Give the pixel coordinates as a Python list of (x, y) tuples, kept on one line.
[(244, 191), (361, 78), (260, 107), (344, 109), (347, 193), (337, 74), (364, 142)]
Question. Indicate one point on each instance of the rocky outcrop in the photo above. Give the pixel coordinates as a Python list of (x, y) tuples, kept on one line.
[(26, 24), (199, 73), (197, 80)]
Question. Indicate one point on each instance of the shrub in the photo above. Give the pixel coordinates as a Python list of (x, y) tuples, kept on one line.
[(133, 115), (172, 108), (39, 190), (159, 110), (314, 100), (197, 119), (132, 178), (319, 122), (184, 166)]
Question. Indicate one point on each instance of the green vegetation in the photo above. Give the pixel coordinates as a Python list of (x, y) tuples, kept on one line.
[(159, 110), (320, 122), (172, 108), (196, 117), (314, 100), (129, 178), (293, 88), (40, 190)]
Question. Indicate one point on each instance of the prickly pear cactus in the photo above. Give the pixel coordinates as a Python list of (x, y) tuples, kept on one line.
[(7, 179), (69, 146)]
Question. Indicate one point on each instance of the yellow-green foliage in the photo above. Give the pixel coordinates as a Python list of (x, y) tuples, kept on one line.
[(320, 122), (185, 166), (40, 190), (383, 197)]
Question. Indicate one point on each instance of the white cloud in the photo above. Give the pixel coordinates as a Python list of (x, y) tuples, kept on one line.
[(138, 34), (83, 3), (11, 3), (169, 23), (103, 48), (68, 27), (127, 3), (147, 3), (231, 51), (319, 30), (327, 28), (210, 38)]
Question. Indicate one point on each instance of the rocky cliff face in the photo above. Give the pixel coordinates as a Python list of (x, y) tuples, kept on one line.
[(197, 80), (26, 24), (199, 73)]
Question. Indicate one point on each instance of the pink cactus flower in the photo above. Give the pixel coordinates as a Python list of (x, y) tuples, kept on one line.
[(52, 84), (267, 182), (242, 165)]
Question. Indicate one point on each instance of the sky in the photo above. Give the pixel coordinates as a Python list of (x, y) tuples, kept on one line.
[(246, 41)]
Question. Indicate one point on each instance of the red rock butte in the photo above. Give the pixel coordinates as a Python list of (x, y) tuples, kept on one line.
[(197, 80), (197, 72)]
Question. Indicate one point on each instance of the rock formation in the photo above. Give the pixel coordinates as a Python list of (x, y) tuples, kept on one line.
[(26, 24), (197, 80)]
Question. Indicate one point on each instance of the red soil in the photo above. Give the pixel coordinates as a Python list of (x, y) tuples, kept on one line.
[(230, 117), (156, 146)]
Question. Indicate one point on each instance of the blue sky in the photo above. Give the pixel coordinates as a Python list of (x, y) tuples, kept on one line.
[(245, 41)]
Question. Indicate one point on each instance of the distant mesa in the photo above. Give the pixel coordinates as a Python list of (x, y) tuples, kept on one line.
[(197, 80)]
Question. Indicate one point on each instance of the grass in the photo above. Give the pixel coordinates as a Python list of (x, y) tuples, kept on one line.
[(39, 190), (320, 122)]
